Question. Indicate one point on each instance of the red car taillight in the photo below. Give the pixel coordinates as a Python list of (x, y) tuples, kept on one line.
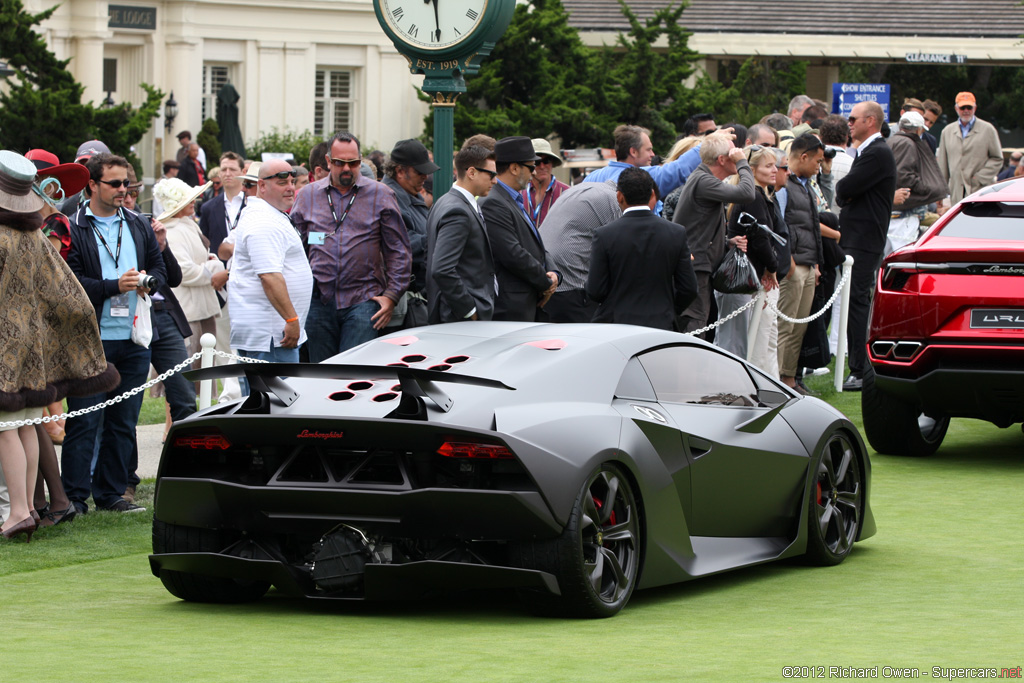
[(210, 442), (478, 451)]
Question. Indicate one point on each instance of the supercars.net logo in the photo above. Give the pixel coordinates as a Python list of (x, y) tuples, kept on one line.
[(306, 434)]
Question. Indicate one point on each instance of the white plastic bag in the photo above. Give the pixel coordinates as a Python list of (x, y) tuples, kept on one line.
[(142, 326)]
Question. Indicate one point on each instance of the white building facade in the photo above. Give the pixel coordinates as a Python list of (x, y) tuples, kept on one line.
[(308, 64)]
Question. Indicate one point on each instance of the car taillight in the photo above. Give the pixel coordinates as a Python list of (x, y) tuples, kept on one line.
[(209, 442), (895, 274), (479, 451)]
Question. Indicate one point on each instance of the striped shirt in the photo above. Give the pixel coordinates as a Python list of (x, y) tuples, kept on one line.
[(569, 229), (265, 242), (369, 255)]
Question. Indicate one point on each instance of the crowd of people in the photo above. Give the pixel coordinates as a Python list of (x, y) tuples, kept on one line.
[(299, 263)]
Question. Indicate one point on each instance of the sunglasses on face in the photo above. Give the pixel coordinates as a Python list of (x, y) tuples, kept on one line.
[(783, 168), (248, 184), (529, 166), (283, 175), (546, 162), (117, 183), (491, 174), (134, 194), (966, 107), (342, 163)]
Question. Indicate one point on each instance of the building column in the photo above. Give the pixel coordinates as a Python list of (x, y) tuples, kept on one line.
[(300, 72), (820, 78), (87, 68), (272, 81), (700, 68)]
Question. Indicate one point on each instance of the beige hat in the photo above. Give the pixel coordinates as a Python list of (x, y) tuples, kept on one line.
[(16, 176), (253, 174), (175, 194), (542, 148)]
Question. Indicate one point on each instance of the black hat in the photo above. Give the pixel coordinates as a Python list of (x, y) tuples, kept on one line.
[(413, 153), (514, 150)]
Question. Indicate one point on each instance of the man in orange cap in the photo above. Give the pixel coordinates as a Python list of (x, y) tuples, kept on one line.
[(970, 154)]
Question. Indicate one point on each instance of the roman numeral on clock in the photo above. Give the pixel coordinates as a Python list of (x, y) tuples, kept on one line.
[(398, 13), (414, 31), (472, 14)]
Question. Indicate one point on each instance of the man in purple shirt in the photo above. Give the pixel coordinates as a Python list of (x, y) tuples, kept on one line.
[(358, 251)]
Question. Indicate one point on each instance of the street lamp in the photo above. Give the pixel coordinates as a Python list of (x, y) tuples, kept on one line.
[(6, 71), (108, 101), (170, 111)]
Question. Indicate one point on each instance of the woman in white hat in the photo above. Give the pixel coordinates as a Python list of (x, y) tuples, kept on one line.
[(49, 339), (202, 273)]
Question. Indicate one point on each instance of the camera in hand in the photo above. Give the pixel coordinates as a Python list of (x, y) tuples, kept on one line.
[(830, 153), (147, 281)]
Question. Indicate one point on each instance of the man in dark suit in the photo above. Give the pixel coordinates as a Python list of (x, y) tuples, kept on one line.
[(526, 277), (220, 215), (460, 272), (865, 196), (640, 270)]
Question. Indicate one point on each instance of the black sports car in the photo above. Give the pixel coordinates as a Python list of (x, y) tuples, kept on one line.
[(572, 462)]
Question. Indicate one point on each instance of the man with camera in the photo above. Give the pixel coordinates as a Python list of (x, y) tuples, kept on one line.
[(115, 256)]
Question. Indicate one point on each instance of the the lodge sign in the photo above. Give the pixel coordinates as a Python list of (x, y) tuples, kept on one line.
[(131, 16)]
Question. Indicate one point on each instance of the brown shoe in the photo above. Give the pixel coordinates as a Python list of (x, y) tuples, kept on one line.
[(129, 494)]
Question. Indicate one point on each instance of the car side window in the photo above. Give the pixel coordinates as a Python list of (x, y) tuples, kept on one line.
[(693, 374)]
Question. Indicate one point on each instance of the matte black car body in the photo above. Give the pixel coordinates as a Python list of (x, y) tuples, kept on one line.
[(575, 462)]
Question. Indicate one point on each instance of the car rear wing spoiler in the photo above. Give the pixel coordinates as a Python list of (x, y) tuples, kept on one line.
[(416, 382)]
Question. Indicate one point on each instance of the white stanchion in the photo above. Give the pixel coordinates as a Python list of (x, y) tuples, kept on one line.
[(207, 341), (844, 317), (755, 320)]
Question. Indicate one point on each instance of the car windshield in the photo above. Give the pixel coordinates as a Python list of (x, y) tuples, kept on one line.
[(988, 221)]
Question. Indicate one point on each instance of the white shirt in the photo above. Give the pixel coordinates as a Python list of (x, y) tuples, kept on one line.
[(266, 242), (231, 209)]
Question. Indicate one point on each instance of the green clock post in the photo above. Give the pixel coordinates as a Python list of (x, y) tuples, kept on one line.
[(444, 40)]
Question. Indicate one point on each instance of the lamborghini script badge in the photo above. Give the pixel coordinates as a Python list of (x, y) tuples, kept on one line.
[(306, 434)]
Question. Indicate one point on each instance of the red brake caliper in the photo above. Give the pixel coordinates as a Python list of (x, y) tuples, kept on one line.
[(611, 519), (818, 484)]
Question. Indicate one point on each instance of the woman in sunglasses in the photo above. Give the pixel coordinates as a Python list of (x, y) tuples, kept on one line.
[(747, 220)]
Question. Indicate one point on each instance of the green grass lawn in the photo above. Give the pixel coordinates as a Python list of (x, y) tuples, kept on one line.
[(940, 585)]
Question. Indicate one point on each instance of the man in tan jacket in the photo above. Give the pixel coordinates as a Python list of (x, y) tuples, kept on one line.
[(970, 154)]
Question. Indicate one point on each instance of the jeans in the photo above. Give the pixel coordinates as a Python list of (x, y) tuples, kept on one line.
[(167, 350), (276, 354), (331, 330), (117, 442)]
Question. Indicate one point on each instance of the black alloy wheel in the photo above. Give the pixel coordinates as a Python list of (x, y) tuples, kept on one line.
[(836, 502)]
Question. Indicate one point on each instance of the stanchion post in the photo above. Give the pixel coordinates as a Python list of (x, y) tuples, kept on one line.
[(844, 317), (207, 341), (755, 320)]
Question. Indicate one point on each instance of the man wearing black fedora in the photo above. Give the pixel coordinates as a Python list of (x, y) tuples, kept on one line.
[(525, 276)]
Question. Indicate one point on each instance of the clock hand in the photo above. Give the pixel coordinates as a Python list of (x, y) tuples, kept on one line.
[(437, 22)]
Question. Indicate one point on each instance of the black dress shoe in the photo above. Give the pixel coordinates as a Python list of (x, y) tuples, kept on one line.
[(853, 383), (803, 389)]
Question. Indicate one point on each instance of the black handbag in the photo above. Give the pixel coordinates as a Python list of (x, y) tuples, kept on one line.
[(735, 275)]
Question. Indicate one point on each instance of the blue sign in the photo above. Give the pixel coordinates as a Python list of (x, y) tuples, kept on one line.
[(846, 95)]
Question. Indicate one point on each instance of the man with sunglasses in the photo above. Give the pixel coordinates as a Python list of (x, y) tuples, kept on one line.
[(525, 274), (111, 250), (544, 187), (866, 197), (353, 232), (970, 153)]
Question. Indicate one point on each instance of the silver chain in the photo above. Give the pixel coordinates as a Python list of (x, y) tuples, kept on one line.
[(814, 316), (183, 365), (722, 321)]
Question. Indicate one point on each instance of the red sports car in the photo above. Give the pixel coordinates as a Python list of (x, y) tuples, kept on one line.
[(947, 326)]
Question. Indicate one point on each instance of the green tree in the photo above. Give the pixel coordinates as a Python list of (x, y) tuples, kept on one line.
[(43, 105), (209, 139), (747, 91)]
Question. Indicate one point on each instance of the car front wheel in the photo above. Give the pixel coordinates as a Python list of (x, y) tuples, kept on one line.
[(893, 427), (836, 506)]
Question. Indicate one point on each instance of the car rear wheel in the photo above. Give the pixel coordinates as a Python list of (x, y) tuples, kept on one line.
[(597, 558), (172, 538), (836, 506), (894, 427)]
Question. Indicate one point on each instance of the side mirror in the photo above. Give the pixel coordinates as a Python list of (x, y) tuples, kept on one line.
[(771, 398)]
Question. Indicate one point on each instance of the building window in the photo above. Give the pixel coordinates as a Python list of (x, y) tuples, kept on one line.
[(333, 104), (214, 78)]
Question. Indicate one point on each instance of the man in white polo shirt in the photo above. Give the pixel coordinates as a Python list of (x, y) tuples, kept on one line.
[(271, 282)]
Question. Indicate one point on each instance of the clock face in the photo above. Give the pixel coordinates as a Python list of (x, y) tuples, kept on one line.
[(433, 24)]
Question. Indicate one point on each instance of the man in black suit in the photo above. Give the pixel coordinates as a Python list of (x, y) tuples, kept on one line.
[(220, 215), (865, 196), (526, 277), (640, 270), (460, 272)]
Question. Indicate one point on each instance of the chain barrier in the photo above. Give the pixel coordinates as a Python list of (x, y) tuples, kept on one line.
[(813, 316), (722, 321), (180, 367)]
